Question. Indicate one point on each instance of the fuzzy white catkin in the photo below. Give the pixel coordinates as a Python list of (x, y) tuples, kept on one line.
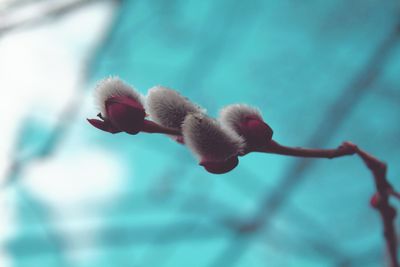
[(231, 116), (209, 140), (114, 86), (168, 108)]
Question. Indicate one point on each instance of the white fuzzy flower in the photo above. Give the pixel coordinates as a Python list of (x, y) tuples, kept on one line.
[(247, 122), (114, 87), (233, 115), (168, 108), (209, 140)]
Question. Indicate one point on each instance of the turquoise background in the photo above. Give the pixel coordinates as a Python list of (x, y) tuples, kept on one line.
[(321, 72)]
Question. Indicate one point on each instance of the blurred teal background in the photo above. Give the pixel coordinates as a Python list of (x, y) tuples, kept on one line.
[(321, 72)]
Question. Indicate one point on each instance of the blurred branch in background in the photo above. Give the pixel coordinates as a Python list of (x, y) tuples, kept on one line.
[(11, 4), (25, 14), (208, 226), (334, 117), (215, 219), (117, 235), (48, 9)]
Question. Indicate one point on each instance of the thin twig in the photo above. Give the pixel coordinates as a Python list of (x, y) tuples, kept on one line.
[(378, 168), (276, 148), (384, 190)]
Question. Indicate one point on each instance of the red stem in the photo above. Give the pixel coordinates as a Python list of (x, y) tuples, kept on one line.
[(152, 127), (275, 148), (387, 212), (378, 169)]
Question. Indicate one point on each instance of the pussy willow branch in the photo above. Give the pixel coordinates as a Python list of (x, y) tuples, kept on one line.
[(378, 168)]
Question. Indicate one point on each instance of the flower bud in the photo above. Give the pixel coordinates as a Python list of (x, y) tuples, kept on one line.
[(248, 123), (121, 107), (375, 201), (216, 147), (168, 108), (220, 167), (125, 114)]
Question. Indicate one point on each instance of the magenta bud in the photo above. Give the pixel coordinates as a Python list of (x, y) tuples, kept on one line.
[(220, 167), (247, 122), (255, 131), (121, 107), (375, 201), (125, 114)]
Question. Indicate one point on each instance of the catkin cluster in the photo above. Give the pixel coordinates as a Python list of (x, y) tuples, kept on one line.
[(216, 143)]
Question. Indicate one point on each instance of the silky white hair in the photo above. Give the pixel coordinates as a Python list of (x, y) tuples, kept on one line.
[(232, 115), (168, 108), (114, 86), (210, 140)]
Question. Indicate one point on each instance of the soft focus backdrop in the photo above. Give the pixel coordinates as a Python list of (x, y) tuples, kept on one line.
[(320, 71)]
